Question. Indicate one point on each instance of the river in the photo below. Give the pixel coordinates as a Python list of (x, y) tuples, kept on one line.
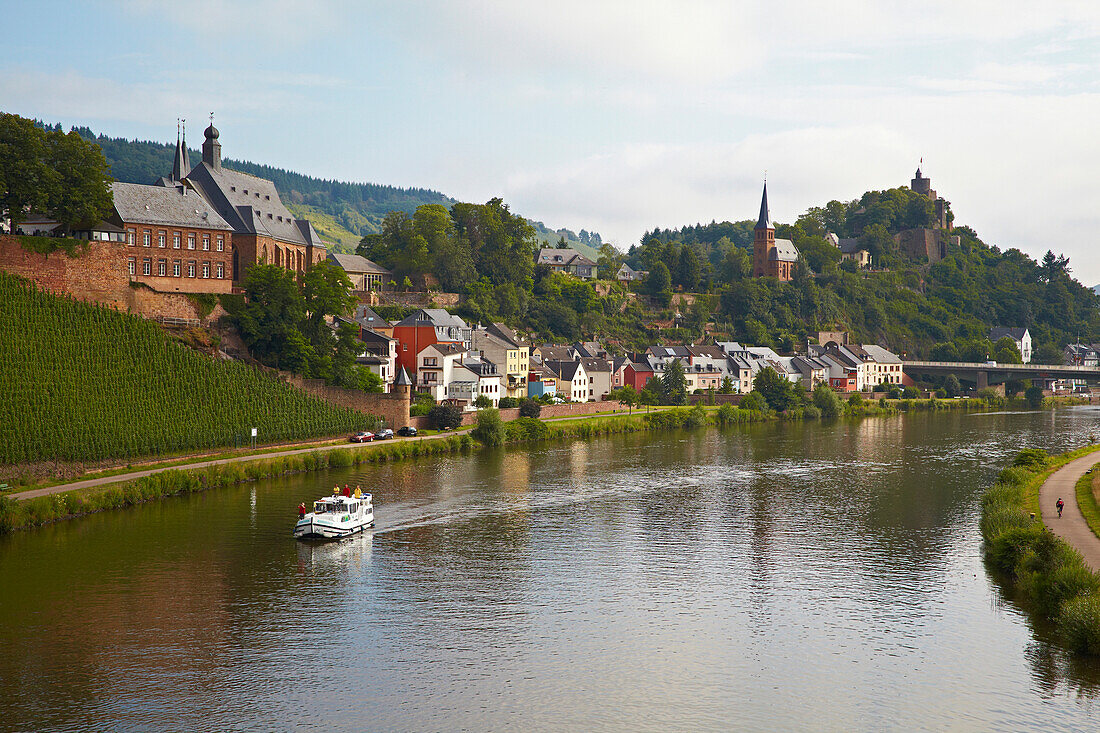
[(767, 577)]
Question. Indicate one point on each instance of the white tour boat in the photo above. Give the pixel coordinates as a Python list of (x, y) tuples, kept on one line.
[(336, 516)]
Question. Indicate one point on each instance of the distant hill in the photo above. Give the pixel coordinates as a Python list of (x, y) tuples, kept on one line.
[(341, 212)]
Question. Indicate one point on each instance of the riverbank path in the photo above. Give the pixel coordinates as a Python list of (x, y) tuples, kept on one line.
[(309, 448), (1071, 526)]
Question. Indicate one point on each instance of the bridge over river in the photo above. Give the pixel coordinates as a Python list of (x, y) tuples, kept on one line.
[(985, 373)]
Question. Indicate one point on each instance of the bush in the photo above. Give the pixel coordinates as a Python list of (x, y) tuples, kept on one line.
[(483, 401), (754, 401), (530, 408), (1034, 396), (490, 430), (855, 400), (445, 416), (811, 412), (506, 403), (911, 393), (526, 429), (894, 393), (1079, 623), (1032, 459), (826, 400)]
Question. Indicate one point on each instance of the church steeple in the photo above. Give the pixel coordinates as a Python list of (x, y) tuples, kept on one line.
[(181, 166), (765, 220), (212, 149)]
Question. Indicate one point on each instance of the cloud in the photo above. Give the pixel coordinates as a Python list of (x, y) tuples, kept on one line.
[(277, 21)]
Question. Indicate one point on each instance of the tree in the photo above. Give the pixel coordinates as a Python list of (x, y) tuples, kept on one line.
[(674, 383), (446, 416), (777, 390), (270, 321), (659, 284), (626, 395), (483, 401), (370, 382), (1034, 396), (529, 408), (81, 193), (951, 386), (25, 178), (490, 429), (1005, 351), (754, 401), (826, 400), (689, 271), (727, 385)]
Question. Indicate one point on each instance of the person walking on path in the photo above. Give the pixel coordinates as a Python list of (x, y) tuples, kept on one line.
[(1061, 505)]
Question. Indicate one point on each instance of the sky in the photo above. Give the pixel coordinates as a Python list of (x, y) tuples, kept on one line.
[(615, 117)]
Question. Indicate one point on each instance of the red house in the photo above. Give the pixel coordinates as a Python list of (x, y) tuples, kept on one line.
[(424, 328), (636, 375)]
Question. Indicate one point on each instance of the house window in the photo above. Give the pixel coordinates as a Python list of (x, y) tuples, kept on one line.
[(130, 237), (176, 268), (162, 240), (162, 267), (221, 270), (206, 242), (190, 241), (221, 243), (133, 266), (206, 269), (191, 269), (175, 240), (146, 267), (146, 238)]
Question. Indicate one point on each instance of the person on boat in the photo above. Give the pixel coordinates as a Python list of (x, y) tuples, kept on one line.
[(336, 490), (358, 492), (302, 509), (347, 491), (1061, 504)]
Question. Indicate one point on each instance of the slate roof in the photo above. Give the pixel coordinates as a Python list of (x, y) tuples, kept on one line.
[(711, 352), (355, 263), (402, 379), (445, 348), (784, 251), (593, 364), (765, 220), (563, 257), (850, 245), (251, 205), (175, 206), (365, 316), (551, 352), (502, 332), (565, 370), (881, 355), (1001, 331), (434, 317)]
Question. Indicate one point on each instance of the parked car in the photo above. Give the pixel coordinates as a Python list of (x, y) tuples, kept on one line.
[(362, 437), (383, 434), (408, 430)]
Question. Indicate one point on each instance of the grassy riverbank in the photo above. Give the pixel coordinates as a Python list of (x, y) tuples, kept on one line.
[(27, 513), (1051, 575)]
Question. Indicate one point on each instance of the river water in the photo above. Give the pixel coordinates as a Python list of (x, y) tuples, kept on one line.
[(770, 577)]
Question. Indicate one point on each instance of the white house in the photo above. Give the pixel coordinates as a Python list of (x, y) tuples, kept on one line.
[(572, 379), (435, 366), (1020, 335)]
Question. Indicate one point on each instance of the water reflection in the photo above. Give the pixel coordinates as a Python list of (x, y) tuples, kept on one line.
[(695, 580)]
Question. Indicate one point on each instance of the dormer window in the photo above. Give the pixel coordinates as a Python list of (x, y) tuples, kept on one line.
[(267, 197), (232, 188), (245, 192)]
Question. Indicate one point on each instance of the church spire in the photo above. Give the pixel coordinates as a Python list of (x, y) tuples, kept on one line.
[(180, 165), (765, 220)]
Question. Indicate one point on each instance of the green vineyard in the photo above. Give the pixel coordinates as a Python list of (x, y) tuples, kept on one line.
[(81, 382)]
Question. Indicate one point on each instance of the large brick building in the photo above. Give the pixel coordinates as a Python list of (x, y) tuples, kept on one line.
[(175, 241), (264, 231)]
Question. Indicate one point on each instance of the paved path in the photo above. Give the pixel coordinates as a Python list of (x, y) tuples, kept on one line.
[(1071, 526), (88, 483)]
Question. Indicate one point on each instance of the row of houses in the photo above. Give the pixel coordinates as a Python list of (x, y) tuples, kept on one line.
[(441, 355)]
